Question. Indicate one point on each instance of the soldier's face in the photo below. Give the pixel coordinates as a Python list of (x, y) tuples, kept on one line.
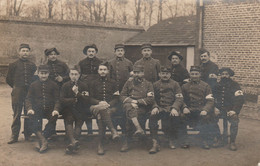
[(165, 76), (120, 52), (204, 57), (138, 74), (91, 52), (43, 75), (24, 53), (195, 75), (74, 75), (147, 52), (225, 74), (102, 71), (175, 60), (52, 56)]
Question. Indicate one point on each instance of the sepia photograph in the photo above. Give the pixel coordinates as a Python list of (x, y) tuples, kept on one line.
[(130, 82)]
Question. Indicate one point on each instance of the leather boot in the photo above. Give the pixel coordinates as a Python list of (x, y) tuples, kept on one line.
[(205, 145), (44, 146), (139, 131), (155, 148), (105, 117), (171, 144), (13, 140), (125, 146), (232, 146), (101, 150), (115, 135)]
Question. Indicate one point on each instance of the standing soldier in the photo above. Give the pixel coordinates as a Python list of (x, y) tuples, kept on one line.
[(42, 101), (198, 106), (169, 99), (229, 100), (120, 68), (19, 77), (59, 71), (151, 66), (178, 72), (89, 71), (73, 98), (209, 70), (104, 96), (137, 97)]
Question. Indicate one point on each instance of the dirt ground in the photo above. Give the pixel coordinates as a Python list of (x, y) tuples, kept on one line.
[(23, 153)]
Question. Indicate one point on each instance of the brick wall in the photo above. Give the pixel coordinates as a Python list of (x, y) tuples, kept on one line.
[(231, 32), (69, 37)]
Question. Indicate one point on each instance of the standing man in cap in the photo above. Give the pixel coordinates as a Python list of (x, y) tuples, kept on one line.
[(74, 96), (209, 70), (169, 99), (229, 100), (178, 72), (89, 71), (137, 97), (42, 101), (120, 68), (59, 71), (19, 77), (198, 107), (104, 96), (151, 66)]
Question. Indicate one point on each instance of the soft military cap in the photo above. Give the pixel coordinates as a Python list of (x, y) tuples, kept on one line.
[(90, 46), (49, 50), (146, 45), (24, 46), (43, 68), (230, 71), (176, 54), (194, 68)]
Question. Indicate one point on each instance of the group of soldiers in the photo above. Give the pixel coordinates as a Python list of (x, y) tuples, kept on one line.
[(120, 93)]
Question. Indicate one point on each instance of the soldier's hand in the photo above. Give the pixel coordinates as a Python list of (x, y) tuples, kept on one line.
[(186, 111), (174, 112), (134, 101), (231, 113), (75, 89), (30, 112), (203, 113), (59, 78), (104, 104), (55, 113), (134, 105), (216, 111), (155, 111)]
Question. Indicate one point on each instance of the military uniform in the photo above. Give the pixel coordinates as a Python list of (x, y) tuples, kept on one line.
[(198, 97), (168, 95), (209, 72), (58, 68), (19, 77), (151, 68), (89, 68), (229, 97), (43, 98), (142, 91), (73, 106), (179, 74)]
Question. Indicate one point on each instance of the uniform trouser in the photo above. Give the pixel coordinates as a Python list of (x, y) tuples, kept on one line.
[(49, 129), (18, 104), (233, 120), (140, 113), (170, 125), (203, 123), (103, 119), (119, 118), (69, 121)]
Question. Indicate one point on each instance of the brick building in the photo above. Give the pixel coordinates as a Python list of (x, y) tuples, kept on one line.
[(231, 32)]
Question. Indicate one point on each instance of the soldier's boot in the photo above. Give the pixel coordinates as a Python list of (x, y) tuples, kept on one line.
[(171, 144), (100, 150), (13, 140), (155, 148), (43, 142), (125, 146), (233, 146), (205, 145), (105, 117), (74, 145), (139, 131)]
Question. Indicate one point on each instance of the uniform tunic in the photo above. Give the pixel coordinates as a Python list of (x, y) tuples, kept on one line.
[(206, 70), (58, 68), (89, 68), (151, 68), (120, 69), (179, 73)]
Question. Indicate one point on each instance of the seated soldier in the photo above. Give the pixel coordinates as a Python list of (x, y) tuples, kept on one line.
[(198, 107), (137, 97), (73, 98), (42, 101), (104, 97), (169, 99)]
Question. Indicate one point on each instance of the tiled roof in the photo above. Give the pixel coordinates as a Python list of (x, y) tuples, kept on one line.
[(172, 31)]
